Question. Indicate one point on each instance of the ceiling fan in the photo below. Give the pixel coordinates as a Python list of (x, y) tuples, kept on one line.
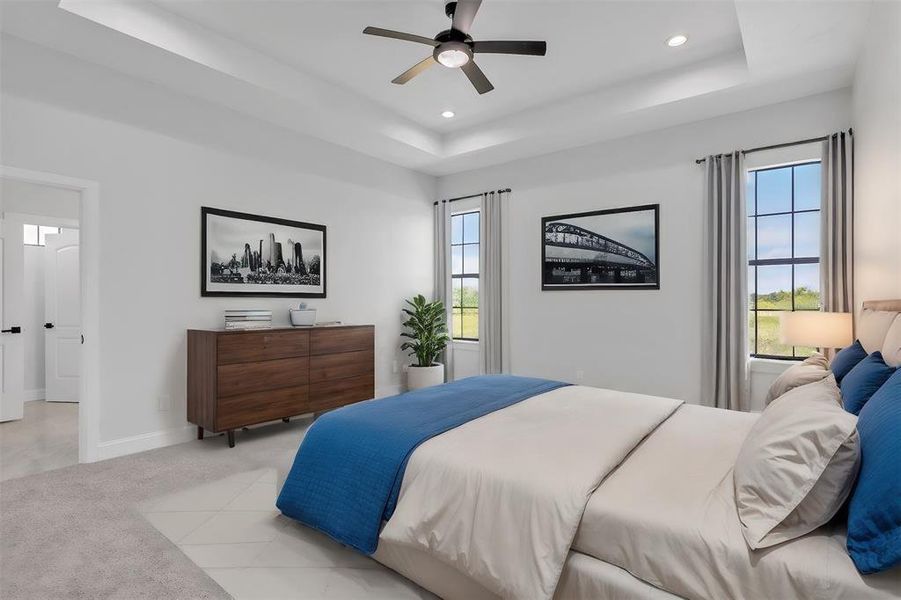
[(455, 48)]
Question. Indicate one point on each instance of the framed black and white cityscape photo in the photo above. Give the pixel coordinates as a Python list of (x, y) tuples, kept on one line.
[(252, 255), (604, 249)]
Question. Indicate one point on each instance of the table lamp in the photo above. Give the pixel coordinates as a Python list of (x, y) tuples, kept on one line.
[(816, 328)]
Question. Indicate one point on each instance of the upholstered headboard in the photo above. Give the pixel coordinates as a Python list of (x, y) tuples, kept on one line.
[(879, 328)]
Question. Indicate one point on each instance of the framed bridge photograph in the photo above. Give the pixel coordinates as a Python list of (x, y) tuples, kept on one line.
[(605, 249)]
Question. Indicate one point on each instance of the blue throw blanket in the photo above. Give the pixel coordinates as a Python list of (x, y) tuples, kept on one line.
[(348, 471)]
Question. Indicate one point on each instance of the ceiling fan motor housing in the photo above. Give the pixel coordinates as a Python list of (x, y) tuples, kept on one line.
[(454, 48), (449, 7)]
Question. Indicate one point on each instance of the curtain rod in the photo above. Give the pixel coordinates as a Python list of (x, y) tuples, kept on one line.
[(822, 138), (435, 203)]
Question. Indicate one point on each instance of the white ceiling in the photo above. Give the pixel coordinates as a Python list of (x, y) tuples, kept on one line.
[(306, 66), (591, 44)]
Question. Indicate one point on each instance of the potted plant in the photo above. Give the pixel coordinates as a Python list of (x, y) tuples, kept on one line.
[(427, 332)]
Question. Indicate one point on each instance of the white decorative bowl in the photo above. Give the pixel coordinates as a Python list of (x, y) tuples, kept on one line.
[(303, 317)]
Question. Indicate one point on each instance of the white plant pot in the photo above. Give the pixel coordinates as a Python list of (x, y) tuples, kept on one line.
[(420, 377)]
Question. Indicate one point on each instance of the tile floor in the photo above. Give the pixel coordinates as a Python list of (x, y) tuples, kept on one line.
[(46, 438), (232, 530)]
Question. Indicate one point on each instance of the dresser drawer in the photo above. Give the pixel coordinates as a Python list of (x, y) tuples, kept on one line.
[(331, 394), (341, 339), (264, 345), (241, 378), (339, 366), (259, 407)]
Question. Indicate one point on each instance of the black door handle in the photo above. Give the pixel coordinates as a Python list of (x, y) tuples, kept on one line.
[(48, 325), (13, 329)]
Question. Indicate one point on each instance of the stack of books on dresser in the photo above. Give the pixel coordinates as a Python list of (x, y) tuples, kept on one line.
[(248, 319)]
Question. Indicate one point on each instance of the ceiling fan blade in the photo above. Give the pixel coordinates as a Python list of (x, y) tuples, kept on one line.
[(399, 35), (510, 47), (464, 13), (414, 71), (477, 78)]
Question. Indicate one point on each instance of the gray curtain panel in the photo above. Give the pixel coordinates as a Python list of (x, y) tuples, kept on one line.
[(443, 288), (725, 338), (492, 347), (837, 225)]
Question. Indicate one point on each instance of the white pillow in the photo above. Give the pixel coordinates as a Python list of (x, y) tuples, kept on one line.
[(812, 369), (891, 348), (872, 326), (797, 466)]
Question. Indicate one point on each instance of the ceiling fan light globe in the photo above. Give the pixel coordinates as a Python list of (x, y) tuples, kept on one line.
[(453, 59), (453, 54)]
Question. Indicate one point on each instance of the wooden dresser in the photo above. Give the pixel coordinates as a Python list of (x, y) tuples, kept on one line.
[(241, 378)]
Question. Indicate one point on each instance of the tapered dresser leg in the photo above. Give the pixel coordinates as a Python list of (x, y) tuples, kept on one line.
[(231, 438), (199, 432), (286, 420)]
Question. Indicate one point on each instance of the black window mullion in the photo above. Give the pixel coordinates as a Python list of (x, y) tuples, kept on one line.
[(756, 252), (459, 308), (757, 262), (792, 292)]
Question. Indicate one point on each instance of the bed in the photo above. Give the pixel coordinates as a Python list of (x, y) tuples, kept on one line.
[(644, 509)]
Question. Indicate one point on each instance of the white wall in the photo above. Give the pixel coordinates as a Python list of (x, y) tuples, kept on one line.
[(34, 199), (158, 158), (33, 326), (877, 160), (642, 341)]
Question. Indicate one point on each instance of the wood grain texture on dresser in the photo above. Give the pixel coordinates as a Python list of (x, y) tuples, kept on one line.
[(325, 395), (241, 378), (202, 390), (260, 407), (349, 339), (326, 367), (251, 346)]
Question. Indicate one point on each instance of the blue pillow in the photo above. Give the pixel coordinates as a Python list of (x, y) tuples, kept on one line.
[(874, 512), (846, 359), (863, 380)]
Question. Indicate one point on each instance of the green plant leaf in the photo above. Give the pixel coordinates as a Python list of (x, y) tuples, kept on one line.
[(426, 327)]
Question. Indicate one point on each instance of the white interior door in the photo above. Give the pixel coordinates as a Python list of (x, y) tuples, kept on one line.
[(12, 350), (62, 312)]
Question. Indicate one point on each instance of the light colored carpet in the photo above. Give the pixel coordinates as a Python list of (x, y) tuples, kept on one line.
[(45, 439), (76, 532)]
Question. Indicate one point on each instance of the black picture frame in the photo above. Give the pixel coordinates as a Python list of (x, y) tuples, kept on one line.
[(550, 282), (206, 284)]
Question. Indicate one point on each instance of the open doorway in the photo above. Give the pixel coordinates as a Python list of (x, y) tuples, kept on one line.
[(40, 349)]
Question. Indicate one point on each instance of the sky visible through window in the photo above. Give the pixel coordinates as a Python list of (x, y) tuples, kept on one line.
[(783, 252)]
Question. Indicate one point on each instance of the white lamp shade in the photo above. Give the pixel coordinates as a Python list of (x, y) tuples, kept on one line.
[(815, 328)]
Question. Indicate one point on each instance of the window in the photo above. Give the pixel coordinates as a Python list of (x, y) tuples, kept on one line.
[(783, 252), (36, 235), (465, 275)]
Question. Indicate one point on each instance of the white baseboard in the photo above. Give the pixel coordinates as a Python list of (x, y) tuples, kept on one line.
[(178, 435), (31, 395), (145, 441)]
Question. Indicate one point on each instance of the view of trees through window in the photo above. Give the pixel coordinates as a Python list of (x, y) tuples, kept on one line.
[(465, 275), (783, 252)]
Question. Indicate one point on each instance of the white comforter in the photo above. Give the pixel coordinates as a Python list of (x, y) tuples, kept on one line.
[(501, 497)]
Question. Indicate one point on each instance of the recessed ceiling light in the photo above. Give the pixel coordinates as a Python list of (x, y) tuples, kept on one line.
[(448, 114), (676, 40)]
